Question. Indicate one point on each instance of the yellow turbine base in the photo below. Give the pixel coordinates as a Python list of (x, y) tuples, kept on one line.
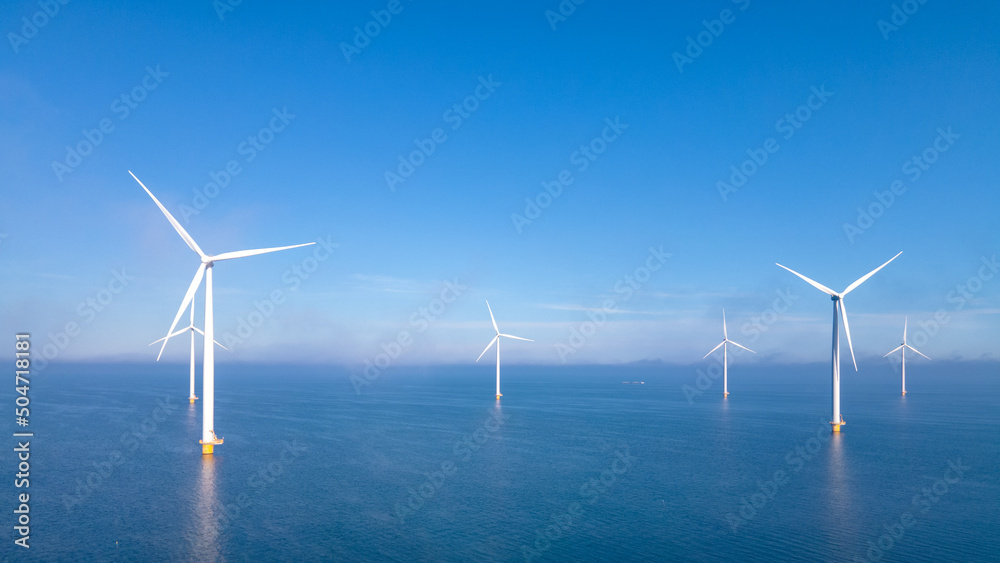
[(726, 394), (836, 428), (208, 447), (192, 399), (904, 392), (498, 396)]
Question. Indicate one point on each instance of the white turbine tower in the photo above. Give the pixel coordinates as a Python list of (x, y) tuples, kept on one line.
[(208, 437), (725, 355), (497, 340), (193, 329), (903, 347), (838, 308)]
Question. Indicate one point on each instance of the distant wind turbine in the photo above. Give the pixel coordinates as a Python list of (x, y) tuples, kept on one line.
[(903, 347), (838, 307), (725, 355), (497, 340), (193, 329), (208, 438)]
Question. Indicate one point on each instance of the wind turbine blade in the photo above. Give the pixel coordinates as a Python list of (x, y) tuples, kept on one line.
[(725, 334), (893, 350), (915, 350), (517, 337), (199, 331), (714, 349), (847, 329), (742, 346), (817, 285), (175, 333), (245, 253), (490, 345), (177, 226), (868, 275), (184, 304), (491, 317), (221, 346), (905, 319)]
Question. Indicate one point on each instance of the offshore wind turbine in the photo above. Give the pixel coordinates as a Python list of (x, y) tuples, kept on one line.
[(208, 438), (903, 347), (725, 355), (838, 308), (193, 329), (497, 340)]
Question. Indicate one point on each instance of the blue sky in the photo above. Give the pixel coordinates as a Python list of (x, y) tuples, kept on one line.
[(309, 137)]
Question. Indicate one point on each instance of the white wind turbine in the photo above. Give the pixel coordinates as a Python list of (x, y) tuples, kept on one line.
[(903, 347), (193, 329), (725, 355), (208, 437), (497, 340), (838, 307)]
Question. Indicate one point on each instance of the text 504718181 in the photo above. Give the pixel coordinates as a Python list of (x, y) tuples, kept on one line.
[(22, 365)]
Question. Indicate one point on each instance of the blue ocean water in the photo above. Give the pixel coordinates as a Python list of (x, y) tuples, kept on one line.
[(572, 465)]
